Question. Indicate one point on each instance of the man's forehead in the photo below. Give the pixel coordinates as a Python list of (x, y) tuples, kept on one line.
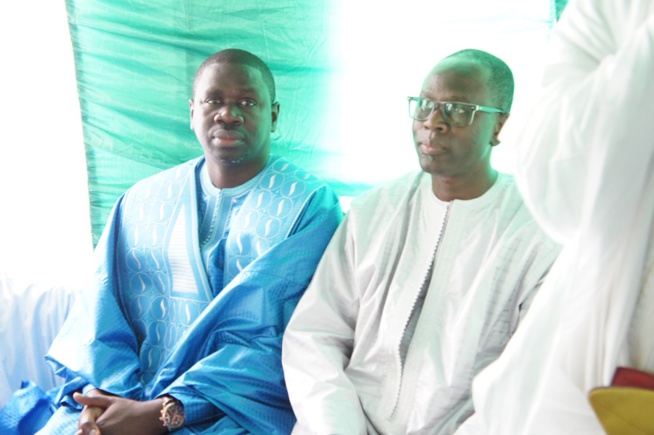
[(456, 74), (234, 75), (218, 88), (466, 68), (456, 84), (234, 70)]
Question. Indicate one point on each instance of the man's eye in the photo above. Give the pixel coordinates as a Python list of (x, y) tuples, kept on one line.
[(459, 109), (425, 105), (213, 101), (247, 103)]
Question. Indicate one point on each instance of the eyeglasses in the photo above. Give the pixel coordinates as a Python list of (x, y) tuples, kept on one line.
[(454, 113)]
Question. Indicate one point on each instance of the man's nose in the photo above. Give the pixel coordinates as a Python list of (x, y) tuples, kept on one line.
[(436, 120), (228, 114)]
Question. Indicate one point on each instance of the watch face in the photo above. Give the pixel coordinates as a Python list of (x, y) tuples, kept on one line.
[(172, 415)]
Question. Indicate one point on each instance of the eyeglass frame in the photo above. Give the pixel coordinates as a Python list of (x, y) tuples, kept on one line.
[(437, 104)]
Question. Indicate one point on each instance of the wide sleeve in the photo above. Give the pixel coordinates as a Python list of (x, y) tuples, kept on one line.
[(96, 346), (319, 342), (241, 374), (581, 152)]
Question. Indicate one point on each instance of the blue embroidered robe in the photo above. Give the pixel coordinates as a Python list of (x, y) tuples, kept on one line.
[(154, 324)]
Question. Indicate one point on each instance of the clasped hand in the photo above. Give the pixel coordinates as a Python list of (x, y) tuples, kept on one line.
[(105, 414)]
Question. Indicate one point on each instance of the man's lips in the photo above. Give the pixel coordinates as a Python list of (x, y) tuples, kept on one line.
[(430, 149), (226, 137)]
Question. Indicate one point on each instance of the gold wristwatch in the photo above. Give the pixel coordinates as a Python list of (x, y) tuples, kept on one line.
[(172, 413)]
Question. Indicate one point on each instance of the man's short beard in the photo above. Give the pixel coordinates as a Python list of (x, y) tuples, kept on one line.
[(233, 161)]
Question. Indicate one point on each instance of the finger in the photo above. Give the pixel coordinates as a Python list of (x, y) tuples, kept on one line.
[(87, 420), (95, 401), (88, 428), (94, 412)]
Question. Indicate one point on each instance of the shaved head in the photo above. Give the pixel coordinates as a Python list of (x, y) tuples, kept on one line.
[(242, 57), (499, 79)]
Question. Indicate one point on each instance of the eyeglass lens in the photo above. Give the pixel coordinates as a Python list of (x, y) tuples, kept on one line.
[(458, 115)]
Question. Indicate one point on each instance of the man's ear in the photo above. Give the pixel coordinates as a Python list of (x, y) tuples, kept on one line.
[(275, 115), (501, 119), (190, 106)]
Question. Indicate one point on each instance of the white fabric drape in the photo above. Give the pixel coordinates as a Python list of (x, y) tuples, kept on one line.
[(586, 170), (30, 316), (45, 235)]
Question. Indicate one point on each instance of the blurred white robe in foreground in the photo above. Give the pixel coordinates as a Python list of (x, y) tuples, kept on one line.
[(586, 171)]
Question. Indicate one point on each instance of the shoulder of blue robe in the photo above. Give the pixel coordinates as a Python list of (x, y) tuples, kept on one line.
[(274, 209), (229, 355)]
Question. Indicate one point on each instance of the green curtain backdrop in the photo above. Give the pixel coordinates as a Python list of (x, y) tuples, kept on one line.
[(135, 61), (559, 5)]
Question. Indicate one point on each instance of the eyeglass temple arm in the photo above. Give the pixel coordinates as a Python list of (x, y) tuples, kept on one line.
[(488, 109)]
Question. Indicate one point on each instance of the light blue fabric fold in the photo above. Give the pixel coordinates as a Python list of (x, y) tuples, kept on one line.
[(28, 410)]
